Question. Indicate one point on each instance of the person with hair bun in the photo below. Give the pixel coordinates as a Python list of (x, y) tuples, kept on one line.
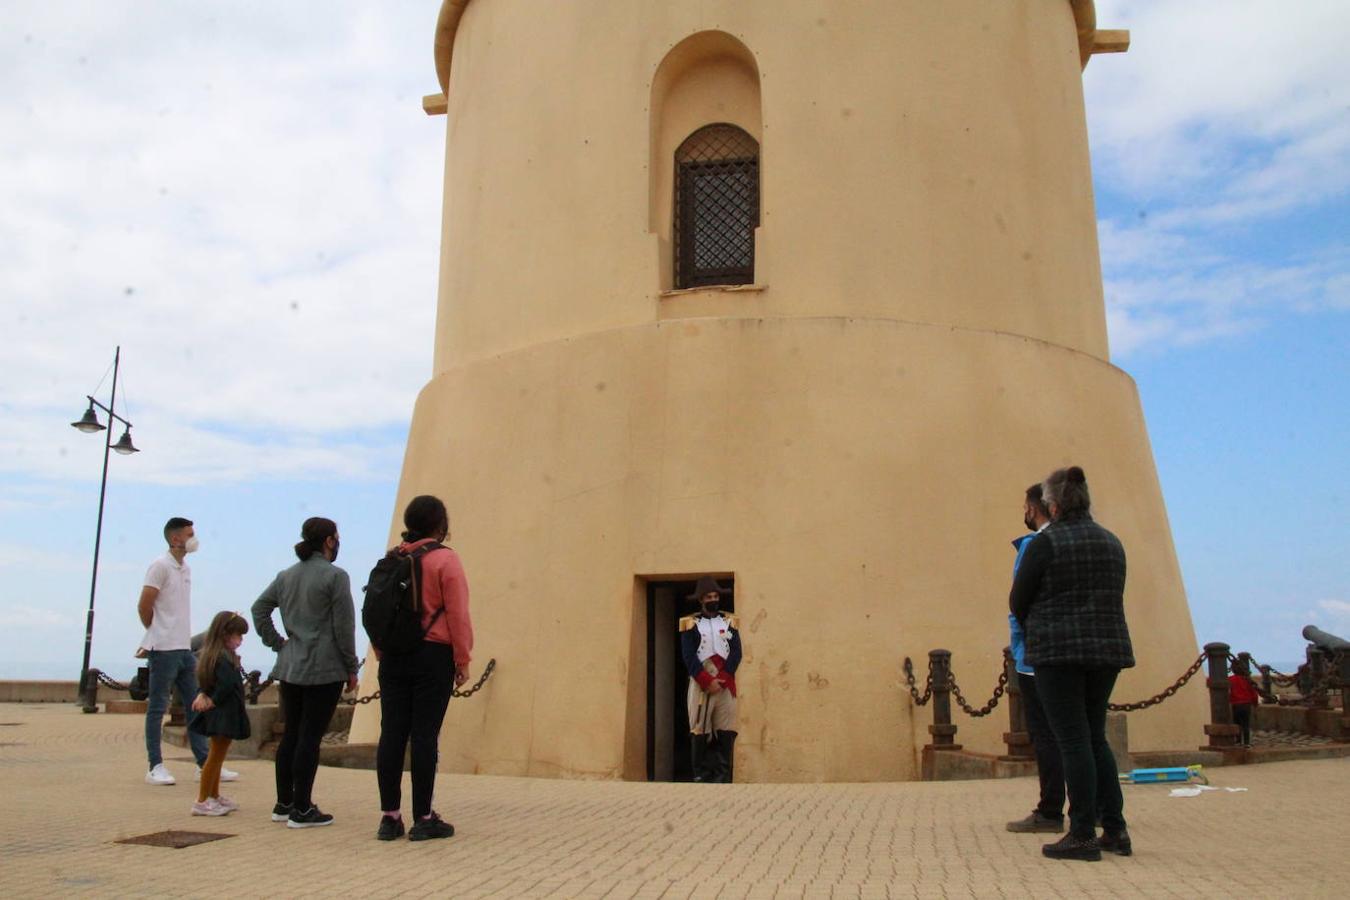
[(314, 659), (1068, 595), (415, 687)]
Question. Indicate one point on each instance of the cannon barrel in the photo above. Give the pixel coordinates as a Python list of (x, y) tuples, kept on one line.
[(1325, 641)]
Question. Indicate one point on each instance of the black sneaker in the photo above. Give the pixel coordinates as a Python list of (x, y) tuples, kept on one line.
[(310, 818), (281, 812), (429, 829), (390, 828), (1070, 847), (1037, 824), (1118, 843)]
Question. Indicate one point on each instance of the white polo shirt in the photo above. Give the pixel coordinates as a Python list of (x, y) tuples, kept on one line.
[(171, 627)]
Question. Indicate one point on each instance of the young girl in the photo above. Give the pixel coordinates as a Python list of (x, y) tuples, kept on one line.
[(221, 702)]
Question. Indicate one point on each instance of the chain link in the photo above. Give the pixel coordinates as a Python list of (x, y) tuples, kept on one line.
[(1276, 676), (1168, 692), (107, 681), (993, 701), (467, 692), (927, 685)]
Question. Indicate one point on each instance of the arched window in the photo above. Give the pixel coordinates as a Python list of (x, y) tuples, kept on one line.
[(716, 207)]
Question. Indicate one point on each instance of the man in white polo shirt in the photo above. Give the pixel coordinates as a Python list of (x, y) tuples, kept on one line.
[(165, 609)]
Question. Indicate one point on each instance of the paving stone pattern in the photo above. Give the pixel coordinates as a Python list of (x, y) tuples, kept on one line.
[(71, 785)]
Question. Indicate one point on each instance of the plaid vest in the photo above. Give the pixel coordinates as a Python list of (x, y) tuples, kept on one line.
[(1078, 617)]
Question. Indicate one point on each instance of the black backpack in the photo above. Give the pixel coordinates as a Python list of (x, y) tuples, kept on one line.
[(392, 611)]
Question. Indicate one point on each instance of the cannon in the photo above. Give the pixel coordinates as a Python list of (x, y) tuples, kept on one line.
[(1325, 641), (1328, 658)]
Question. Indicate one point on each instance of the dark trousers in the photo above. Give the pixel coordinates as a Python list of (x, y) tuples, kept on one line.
[(307, 708), (1049, 765), (1074, 699), (414, 692), (1242, 718)]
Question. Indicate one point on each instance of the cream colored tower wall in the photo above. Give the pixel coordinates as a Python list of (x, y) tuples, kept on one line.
[(851, 441)]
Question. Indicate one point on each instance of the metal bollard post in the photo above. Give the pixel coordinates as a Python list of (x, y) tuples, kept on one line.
[(1223, 734), (1267, 682), (1017, 737), (942, 729), (89, 697)]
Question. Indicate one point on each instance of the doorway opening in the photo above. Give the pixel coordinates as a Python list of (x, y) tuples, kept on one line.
[(667, 678)]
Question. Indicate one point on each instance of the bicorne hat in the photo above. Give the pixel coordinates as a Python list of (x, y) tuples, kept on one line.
[(707, 585)]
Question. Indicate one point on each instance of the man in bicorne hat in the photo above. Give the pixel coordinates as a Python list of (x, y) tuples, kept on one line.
[(711, 647)]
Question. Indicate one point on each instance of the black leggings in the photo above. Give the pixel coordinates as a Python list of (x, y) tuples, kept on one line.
[(1242, 718), (414, 692), (1074, 699), (307, 708)]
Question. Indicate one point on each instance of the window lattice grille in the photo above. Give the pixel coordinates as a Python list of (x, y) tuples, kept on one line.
[(716, 207)]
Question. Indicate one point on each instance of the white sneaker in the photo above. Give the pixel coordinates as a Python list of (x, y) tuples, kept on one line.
[(225, 774), (208, 807), (159, 775), (226, 803)]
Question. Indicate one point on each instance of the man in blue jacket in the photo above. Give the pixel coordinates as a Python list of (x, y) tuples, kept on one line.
[(710, 645), (1048, 816)]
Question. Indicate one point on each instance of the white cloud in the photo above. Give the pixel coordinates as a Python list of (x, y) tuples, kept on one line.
[(246, 197), (1225, 120)]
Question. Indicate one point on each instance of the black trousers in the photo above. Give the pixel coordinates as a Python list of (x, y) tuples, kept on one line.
[(1242, 718), (308, 708), (1074, 699), (414, 692), (1049, 764)]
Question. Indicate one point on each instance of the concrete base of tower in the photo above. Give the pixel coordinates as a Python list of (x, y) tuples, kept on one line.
[(858, 479)]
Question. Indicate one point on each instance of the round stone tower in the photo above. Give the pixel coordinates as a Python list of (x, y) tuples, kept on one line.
[(800, 294)]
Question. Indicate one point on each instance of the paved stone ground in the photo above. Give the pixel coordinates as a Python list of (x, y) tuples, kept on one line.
[(71, 785)]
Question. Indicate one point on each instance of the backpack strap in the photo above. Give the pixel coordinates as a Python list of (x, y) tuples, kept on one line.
[(416, 556)]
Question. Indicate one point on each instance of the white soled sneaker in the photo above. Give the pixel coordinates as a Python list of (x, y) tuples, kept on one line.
[(159, 775), (208, 807), (225, 774)]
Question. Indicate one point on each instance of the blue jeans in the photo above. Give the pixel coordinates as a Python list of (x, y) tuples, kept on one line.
[(1074, 699), (168, 669)]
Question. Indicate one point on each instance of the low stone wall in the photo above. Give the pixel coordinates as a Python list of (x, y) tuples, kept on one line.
[(39, 691), (1330, 723)]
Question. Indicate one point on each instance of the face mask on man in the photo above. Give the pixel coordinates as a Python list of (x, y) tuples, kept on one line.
[(191, 545), (711, 607), (1029, 521)]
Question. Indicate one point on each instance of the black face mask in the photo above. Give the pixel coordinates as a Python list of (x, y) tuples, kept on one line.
[(711, 609), (1029, 522), (336, 545)]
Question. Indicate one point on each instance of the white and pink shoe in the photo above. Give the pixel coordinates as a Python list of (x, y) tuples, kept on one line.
[(208, 807)]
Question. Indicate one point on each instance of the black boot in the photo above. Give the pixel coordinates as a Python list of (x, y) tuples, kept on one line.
[(698, 744), (726, 755)]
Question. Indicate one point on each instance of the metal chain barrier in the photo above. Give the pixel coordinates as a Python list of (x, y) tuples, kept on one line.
[(1322, 685), (1276, 676), (927, 685), (985, 710), (107, 681), (1168, 692), (467, 692)]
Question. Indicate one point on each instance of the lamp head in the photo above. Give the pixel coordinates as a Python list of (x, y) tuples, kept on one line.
[(89, 422), (124, 445)]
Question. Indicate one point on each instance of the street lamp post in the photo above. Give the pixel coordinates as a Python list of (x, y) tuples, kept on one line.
[(89, 424)]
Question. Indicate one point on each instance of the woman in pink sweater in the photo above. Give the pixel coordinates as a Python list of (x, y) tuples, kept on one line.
[(415, 687)]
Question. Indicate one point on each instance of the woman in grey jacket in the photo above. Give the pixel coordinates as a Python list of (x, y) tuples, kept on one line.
[(314, 660)]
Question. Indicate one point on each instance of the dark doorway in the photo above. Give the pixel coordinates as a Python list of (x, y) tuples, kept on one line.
[(667, 680)]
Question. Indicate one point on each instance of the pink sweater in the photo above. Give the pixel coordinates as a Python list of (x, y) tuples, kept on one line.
[(444, 584)]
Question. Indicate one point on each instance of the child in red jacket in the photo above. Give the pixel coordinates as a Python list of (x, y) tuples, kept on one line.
[(1243, 696)]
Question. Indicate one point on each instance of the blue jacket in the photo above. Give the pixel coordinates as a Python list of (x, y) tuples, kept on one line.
[(1017, 637)]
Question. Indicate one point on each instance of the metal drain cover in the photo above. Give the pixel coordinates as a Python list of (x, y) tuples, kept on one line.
[(175, 839)]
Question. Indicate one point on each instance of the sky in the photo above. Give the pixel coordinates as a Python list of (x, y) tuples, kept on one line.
[(245, 196)]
